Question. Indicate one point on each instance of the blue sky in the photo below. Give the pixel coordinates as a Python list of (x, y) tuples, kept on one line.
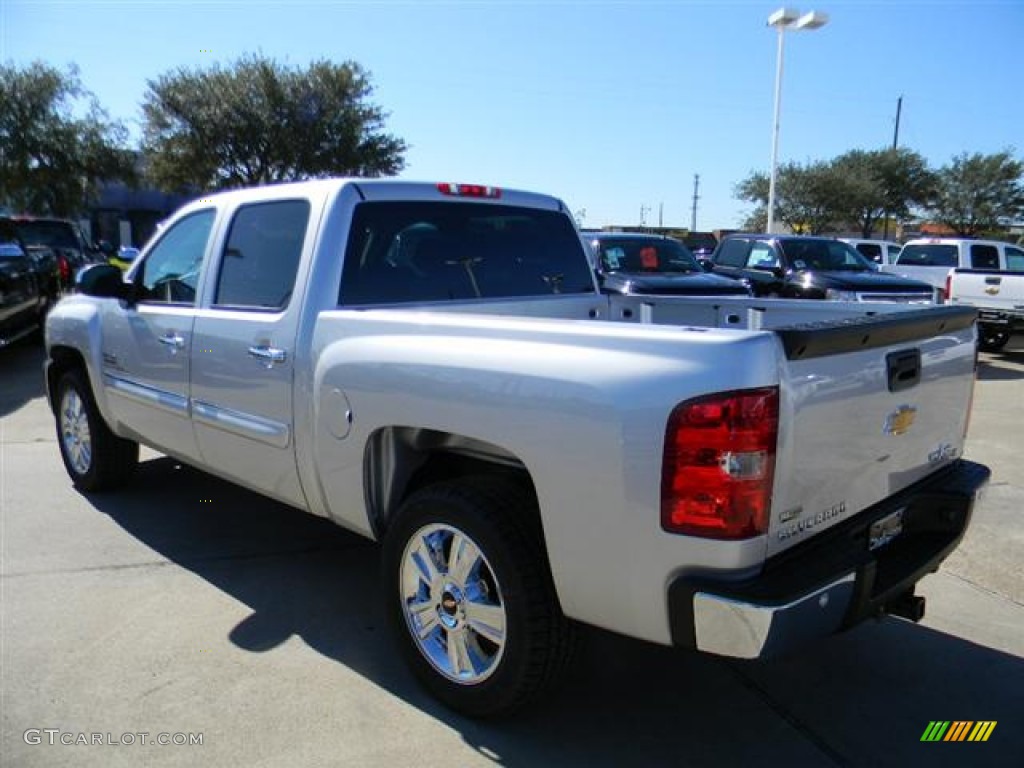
[(613, 106)]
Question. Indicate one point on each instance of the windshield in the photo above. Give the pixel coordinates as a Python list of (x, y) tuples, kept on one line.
[(55, 234), (656, 254), (928, 255), (824, 255)]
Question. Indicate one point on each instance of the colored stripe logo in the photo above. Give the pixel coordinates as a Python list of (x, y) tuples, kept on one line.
[(958, 730)]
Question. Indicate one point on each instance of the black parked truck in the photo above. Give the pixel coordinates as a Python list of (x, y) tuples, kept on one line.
[(811, 267), (632, 263)]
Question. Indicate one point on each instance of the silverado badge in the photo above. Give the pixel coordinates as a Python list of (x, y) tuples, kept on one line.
[(900, 420)]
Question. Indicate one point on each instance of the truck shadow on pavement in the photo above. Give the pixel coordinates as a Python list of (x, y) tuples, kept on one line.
[(21, 375), (863, 698), (1005, 365)]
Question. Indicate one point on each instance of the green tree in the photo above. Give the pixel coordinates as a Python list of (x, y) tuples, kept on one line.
[(56, 143), (257, 121), (976, 193), (806, 196), (873, 184)]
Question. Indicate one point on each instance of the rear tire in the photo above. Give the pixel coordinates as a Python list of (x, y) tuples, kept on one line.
[(992, 339), (470, 597), (94, 457)]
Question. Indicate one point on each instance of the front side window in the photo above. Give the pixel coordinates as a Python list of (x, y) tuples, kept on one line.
[(762, 256), (400, 252), (1015, 259), (261, 257), (170, 273)]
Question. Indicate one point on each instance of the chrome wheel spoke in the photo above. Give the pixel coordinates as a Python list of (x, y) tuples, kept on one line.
[(458, 654), (487, 620), (462, 559), (423, 559), (425, 618)]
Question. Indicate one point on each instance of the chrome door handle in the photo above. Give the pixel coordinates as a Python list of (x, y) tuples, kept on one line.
[(172, 340), (268, 355)]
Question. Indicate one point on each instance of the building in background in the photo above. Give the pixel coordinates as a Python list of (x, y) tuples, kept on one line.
[(127, 217)]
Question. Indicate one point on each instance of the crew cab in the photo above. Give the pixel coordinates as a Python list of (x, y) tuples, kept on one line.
[(807, 267), (639, 263), (432, 366), (997, 295), (930, 259)]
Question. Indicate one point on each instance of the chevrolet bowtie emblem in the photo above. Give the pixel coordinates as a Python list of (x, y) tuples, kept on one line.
[(900, 420), (992, 290)]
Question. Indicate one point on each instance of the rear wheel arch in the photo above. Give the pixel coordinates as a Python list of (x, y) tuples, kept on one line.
[(399, 461)]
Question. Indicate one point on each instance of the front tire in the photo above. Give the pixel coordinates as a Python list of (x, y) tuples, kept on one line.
[(992, 339), (470, 597), (94, 457)]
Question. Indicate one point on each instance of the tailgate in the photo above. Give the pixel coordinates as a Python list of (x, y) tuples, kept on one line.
[(869, 409), (998, 291)]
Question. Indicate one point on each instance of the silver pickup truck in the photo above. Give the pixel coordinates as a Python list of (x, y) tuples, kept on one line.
[(432, 366), (997, 295)]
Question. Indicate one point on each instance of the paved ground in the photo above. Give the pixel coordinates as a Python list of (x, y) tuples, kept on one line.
[(188, 606)]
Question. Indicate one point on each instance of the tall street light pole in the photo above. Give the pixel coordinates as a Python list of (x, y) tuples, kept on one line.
[(783, 19)]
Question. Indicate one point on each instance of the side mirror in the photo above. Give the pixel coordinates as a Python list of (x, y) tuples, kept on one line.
[(104, 281), (706, 264)]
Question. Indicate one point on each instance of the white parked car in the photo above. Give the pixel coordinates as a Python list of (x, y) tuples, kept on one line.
[(880, 252), (930, 259)]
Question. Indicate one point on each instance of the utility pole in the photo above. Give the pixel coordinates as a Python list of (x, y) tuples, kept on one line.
[(895, 142), (896, 131), (643, 215), (661, 215), (696, 197)]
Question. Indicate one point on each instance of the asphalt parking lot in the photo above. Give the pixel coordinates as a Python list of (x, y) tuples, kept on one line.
[(185, 607)]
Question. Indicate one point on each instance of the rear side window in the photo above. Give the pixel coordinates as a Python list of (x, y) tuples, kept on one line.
[(732, 253), (928, 255), (401, 252), (894, 252), (257, 269), (984, 257)]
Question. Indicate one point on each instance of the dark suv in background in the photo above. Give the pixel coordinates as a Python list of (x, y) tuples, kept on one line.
[(56, 241), (808, 267), (637, 263)]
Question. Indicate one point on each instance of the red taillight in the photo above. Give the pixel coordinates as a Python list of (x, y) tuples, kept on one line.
[(718, 465), (949, 288), (469, 190), (64, 268)]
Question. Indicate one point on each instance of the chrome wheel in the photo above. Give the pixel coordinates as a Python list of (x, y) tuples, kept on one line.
[(452, 604), (74, 431)]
